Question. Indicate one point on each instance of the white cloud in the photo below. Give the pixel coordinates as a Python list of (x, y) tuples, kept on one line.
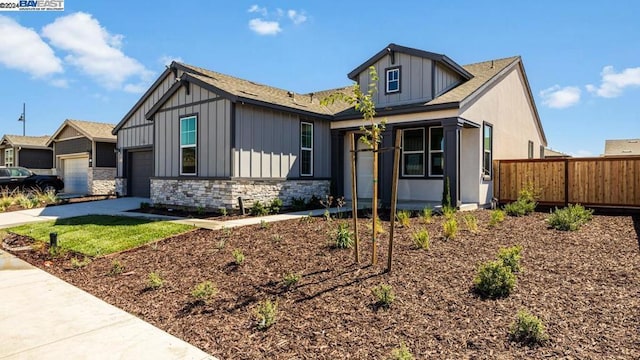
[(95, 51), (560, 97), (296, 17), (22, 49), (61, 83), (263, 27), (581, 153), (614, 83), (257, 9), (168, 59)]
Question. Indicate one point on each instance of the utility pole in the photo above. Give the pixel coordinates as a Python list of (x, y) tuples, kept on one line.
[(23, 118)]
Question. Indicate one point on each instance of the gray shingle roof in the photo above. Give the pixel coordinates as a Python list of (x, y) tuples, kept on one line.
[(94, 129), (27, 141)]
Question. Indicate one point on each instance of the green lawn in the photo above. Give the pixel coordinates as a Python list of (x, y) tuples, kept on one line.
[(97, 235)]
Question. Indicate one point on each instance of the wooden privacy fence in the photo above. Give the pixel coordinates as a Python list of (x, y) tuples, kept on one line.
[(603, 181)]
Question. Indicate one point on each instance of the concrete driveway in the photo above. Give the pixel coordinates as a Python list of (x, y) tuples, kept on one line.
[(100, 207)]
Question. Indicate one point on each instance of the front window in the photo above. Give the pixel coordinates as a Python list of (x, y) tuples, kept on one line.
[(188, 136), (530, 149), (393, 80), (436, 151), (413, 152), (306, 149), (8, 157), (487, 145)]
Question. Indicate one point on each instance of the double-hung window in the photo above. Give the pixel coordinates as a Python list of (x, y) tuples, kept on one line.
[(436, 151), (8, 157), (393, 80), (188, 153), (306, 149), (530, 149), (487, 145), (413, 152)]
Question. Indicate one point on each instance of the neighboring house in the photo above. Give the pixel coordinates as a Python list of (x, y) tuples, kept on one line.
[(85, 157), (552, 154), (31, 152), (623, 147), (212, 137)]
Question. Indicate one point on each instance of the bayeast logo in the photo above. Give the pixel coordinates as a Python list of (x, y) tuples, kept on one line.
[(41, 5)]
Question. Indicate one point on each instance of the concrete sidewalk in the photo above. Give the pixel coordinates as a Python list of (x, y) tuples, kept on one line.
[(43, 317), (118, 206)]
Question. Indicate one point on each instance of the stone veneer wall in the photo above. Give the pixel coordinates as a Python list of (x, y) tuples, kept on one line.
[(102, 181), (121, 186), (211, 193)]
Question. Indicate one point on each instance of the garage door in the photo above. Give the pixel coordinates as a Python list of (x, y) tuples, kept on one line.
[(75, 175), (141, 165)]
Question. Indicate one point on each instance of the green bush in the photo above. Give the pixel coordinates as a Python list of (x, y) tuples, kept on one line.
[(265, 313), (497, 216), (298, 204), (403, 217), (421, 239), (343, 238), (258, 209), (291, 279), (401, 353), (449, 212), (494, 280), (76, 263), (154, 281), (570, 218), (204, 291), (427, 215), (116, 268), (510, 257), (471, 222), (384, 295), (526, 203), (528, 329), (275, 206), (6, 201), (450, 227), (238, 256), (264, 224)]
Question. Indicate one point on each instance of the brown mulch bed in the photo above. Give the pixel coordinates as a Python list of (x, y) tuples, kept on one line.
[(16, 207), (584, 285)]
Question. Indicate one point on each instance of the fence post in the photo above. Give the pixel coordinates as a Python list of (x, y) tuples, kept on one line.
[(566, 182)]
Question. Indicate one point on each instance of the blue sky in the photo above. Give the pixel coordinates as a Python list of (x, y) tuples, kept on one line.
[(93, 60)]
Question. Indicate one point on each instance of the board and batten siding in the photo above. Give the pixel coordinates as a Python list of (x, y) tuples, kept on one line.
[(137, 131), (213, 133), (267, 144), (445, 80), (415, 79)]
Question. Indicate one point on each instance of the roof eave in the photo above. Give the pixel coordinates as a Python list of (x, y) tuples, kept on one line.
[(402, 110)]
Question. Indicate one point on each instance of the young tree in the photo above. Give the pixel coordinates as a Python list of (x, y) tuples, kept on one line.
[(363, 102)]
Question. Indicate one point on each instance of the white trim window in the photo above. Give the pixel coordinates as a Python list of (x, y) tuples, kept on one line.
[(487, 150), (393, 80), (8, 157), (306, 149), (530, 149), (436, 151), (188, 144), (413, 152)]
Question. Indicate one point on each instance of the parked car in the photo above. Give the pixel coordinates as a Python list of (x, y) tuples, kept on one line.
[(22, 178)]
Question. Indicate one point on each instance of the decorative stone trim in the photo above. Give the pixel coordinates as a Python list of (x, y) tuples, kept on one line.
[(102, 181), (215, 194)]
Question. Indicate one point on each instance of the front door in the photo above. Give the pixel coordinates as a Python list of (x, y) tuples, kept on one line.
[(364, 170)]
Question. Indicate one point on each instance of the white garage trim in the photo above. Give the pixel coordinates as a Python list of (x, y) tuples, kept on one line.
[(75, 173)]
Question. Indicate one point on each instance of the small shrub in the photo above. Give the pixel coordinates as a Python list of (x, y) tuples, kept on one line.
[(314, 202), (497, 216), (450, 228), (154, 281), (264, 224), (26, 201), (528, 329), (5, 202), (238, 256), (116, 268), (510, 257), (265, 313), (276, 238), (378, 225), (494, 280), (275, 206), (307, 219), (448, 212), (223, 211), (401, 353), (427, 215), (144, 205), (298, 204), (291, 279), (470, 222), (343, 238), (570, 218), (200, 210), (78, 264), (384, 295), (204, 291), (221, 244), (258, 209), (226, 232), (47, 197), (421, 239), (403, 217), (526, 203), (327, 215)]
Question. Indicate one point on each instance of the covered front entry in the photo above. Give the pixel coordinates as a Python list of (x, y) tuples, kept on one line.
[(364, 169), (141, 170), (75, 175)]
